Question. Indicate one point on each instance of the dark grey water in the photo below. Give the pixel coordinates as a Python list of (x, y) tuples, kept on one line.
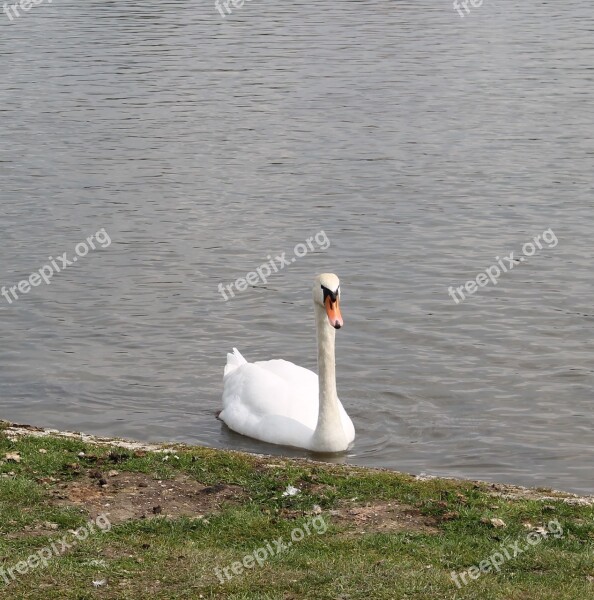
[(423, 144)]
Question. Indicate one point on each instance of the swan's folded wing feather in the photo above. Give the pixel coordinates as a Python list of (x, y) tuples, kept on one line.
[(303, 381), (304, 402), (277, 388), (278, 429)]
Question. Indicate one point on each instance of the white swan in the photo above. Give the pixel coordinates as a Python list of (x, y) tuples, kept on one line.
[(281, 403)]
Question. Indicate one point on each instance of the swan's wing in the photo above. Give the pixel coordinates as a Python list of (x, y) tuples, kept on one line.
[(305, 382), (275, 401), (278, 429), (276, 388)]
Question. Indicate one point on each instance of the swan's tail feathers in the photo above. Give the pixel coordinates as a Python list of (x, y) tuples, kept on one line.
[(233, 361)]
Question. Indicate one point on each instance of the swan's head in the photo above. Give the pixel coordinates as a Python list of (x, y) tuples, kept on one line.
[(326, 293)]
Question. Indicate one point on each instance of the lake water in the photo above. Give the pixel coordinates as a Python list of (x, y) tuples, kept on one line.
[(423, 144)]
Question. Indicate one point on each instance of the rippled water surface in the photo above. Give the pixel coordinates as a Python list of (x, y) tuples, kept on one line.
[(423, 144)]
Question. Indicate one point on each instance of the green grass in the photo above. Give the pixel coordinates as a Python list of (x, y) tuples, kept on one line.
[(176, 558)]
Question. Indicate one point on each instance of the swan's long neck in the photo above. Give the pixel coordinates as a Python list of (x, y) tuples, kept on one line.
[(329, 435)]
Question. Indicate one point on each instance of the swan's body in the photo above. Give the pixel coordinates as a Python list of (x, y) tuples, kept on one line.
[(281, 403), (275, 401)]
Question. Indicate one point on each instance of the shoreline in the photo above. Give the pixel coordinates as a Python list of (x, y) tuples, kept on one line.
[(504, 490), (180, 522)]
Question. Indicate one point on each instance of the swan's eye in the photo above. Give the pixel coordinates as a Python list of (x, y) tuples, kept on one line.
[(332, 295)]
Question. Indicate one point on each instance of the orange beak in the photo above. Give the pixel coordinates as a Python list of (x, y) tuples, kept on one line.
[(333, 312)]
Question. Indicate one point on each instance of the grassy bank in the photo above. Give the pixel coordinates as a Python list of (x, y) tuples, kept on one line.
[(177, 515)]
